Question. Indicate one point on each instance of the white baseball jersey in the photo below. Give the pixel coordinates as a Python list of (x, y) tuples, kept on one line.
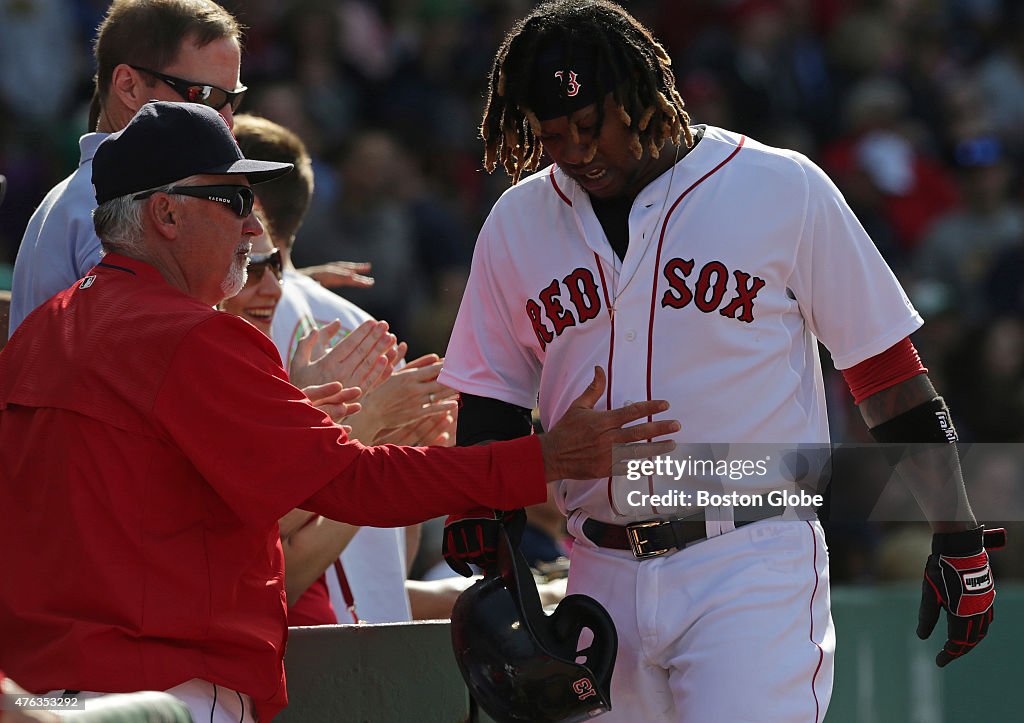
[(740, 258), (305, 302)]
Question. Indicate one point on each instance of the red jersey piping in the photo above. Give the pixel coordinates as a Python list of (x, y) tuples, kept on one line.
[(657, 260)]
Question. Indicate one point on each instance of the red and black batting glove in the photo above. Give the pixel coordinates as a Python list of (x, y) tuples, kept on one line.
[(472, 538), (957, 577)]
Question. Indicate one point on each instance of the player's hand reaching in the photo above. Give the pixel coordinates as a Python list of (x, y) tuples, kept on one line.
[(957, 578), (473, 540), (586, 443)]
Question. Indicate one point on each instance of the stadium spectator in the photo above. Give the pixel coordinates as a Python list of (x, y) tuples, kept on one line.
[(145, 50), (1001, 77), (310, 542), (961, 245), (880, 163), (410, 408)]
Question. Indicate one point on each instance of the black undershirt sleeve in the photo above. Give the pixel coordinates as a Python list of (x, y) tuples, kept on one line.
[(482, 419)]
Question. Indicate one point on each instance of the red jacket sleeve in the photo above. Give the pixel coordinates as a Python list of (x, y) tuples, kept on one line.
[(226, 403), (389, 486)]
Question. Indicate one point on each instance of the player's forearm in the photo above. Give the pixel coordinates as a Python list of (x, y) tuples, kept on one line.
[(931, 471), (897, 399)]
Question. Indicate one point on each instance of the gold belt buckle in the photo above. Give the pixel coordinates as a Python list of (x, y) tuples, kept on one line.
[(636, 544)]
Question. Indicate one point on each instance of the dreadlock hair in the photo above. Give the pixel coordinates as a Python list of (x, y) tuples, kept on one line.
[(645, 96)]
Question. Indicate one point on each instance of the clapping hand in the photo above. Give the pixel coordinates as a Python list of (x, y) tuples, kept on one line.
[(406, 397), (362, 359), (334, 400)]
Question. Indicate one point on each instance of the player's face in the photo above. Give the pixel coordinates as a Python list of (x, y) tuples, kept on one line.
[(258, 299), (216, 63), (613, 171), (214, 243)]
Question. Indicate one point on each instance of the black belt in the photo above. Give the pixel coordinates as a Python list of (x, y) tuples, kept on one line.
[(656, 537)]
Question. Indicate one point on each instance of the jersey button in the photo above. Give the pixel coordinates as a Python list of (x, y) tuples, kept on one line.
[(630, 335)]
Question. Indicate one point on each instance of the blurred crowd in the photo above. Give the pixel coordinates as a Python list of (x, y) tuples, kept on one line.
[(914, 107)]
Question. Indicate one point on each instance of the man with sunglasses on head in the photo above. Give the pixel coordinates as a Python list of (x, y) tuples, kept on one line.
[(145, 50), (144, 480)]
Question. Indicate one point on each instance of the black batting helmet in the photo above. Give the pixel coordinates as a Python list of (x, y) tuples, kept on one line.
[(521, 664)]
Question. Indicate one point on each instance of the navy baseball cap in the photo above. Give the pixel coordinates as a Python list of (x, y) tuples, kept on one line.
[(166, 142), (568, 77)]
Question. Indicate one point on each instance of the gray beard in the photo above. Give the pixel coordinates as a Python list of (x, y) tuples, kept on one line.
[(234, 281)]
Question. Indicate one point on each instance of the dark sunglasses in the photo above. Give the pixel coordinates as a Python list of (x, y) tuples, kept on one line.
[(258, 265), (239, 198), (202, 93)]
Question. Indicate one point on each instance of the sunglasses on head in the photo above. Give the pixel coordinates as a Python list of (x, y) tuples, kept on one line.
[(239, 198), (202, 93), (258, 265)]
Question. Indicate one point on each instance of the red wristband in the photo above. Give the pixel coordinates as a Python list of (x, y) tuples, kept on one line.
[(894, 365)]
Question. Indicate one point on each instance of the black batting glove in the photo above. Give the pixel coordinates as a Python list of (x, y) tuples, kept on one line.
[(473, 540), (957, 578)]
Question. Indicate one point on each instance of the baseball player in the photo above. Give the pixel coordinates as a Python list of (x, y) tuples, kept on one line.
[(700, 266)]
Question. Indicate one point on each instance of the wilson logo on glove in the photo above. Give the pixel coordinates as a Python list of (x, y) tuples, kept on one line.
[(958, 579), (978, 581)]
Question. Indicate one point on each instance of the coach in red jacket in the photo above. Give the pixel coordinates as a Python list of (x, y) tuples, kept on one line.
[(149, 443)]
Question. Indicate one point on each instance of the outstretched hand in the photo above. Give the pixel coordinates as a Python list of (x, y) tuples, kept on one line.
[(586, 443), (340, 273)]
